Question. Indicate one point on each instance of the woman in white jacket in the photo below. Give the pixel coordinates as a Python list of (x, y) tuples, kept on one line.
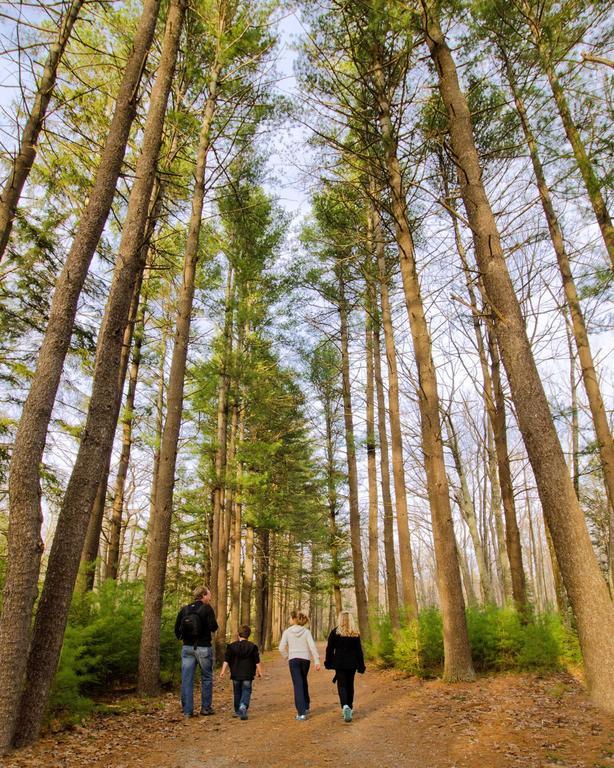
[(297, 646)]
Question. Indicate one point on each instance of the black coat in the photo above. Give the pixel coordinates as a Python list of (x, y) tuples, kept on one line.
[(207, 621), (344, 653)]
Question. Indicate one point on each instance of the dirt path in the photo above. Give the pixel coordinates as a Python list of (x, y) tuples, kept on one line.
[(498, 722)]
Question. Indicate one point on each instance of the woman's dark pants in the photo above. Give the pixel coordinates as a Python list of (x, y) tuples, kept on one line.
[(299, 669), (345, 686)]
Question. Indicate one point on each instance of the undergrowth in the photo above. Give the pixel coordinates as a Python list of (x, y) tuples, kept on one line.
[(500, 639), (101, 649)]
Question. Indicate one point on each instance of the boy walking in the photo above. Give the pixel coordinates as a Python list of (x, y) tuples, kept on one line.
[(243, 659)]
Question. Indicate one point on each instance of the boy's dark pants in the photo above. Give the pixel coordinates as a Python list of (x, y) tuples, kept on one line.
[(299, 669), (242, 692), (345, 686)]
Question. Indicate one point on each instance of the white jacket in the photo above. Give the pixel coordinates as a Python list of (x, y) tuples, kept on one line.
[(297, 643)]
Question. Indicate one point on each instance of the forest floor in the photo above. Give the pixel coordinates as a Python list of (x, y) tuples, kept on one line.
[(500, 721)]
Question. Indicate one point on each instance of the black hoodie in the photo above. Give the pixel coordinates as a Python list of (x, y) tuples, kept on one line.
[(242, 657)]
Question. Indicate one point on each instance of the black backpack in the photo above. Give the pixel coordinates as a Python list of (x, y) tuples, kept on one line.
[(191, 624)]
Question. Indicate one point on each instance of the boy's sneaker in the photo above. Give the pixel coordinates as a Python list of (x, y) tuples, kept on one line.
[(243, 712), (301, 717), (235, 714), (347, 713), (207, 711)]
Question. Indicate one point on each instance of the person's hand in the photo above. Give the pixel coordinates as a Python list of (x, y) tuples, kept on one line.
[(222, 673), (317, 667), (258, 673)]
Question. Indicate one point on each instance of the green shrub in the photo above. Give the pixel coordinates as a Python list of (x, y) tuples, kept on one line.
[(500, 639), (382, 649), (101, 648), (419, 645)]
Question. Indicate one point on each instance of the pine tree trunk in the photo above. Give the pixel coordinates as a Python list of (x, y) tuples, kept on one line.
[(457, 663), (219, 489), (26, 152), (589, 375), (332, 506), (410, 601), (113, 552), (103, 409), (373, 561), (389, 553), (357, 559), (248, 576), (24, 541), (495, 505), (160, 524), (591, 182), (585, 586), (261, 547), (495, 408)]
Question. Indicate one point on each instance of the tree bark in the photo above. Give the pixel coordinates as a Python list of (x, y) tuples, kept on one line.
[(26, 152), (494, 402), (373, 560), (103, 410), (24, 542), (580, 333), (389, 553), (160, 524), (219, 489), (357, 559), (457, 664), (585, 586), (410, 601), (248, 576)]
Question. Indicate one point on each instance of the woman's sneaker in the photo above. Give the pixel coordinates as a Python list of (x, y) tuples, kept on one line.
[(347, 713), (243, 712), (301, 717)]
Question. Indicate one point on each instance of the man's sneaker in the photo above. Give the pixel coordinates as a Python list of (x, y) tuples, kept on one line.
[(243, 712), (301, 717), (207, 711), (347, 713), (187, 715), (235, 714)]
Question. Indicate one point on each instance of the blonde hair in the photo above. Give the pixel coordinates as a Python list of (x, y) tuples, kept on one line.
[(200, 592), (346, 626), (300, 618)]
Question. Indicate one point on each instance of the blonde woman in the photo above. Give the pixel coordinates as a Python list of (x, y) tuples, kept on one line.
[(344, 655), (297, 646)]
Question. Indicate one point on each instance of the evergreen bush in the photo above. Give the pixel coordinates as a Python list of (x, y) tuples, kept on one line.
[(500, 640), (101, 648)]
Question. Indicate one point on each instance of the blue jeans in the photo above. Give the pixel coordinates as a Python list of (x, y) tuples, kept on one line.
[(299, 669), (190, 657), (242, 692)]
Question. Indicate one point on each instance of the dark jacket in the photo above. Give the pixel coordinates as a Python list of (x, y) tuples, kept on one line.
[(344, 653), (207, 622), (242, 657)]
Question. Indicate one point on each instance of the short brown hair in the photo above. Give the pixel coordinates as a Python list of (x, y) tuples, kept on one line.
[(300, 618), (200, 592), (245, 631)]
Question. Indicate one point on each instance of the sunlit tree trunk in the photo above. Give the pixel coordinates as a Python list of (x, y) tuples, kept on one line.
[(410, 601), (389, 552), (580, 333), (588, 593), (24, 540), (248, 576), (457, 664), (357, 559), (160, 524)]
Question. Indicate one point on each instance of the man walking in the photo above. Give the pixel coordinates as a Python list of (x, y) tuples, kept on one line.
[(194, 625)]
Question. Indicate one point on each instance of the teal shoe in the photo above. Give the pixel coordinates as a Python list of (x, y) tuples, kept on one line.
[(347, 713)]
